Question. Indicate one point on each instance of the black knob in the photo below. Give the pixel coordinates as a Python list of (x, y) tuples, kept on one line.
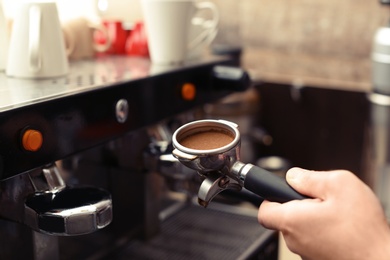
[(230, 78)]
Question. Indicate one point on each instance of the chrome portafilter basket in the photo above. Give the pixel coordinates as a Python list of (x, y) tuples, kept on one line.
[(220, 166)]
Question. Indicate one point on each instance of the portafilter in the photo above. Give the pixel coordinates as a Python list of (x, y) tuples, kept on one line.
[(212, 148)]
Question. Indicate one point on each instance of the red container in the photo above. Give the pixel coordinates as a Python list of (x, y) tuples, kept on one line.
[(117, 35), (137, 44)]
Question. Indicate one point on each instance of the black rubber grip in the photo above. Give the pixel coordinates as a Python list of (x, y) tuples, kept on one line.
[(270, 186)]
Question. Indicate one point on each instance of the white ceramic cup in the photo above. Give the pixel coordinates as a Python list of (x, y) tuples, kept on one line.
[(168, 25), (79, 38), (37, 48)]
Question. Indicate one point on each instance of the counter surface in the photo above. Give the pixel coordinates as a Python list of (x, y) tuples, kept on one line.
[(84, 76)]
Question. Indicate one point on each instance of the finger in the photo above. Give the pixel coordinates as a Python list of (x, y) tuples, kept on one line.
[(310, 183), (281, 216), (267, 212)]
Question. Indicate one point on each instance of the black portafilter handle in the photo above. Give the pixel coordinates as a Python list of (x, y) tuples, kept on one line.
[(270, 186)]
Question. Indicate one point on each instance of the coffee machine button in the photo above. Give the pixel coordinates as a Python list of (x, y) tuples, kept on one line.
[(32, 140), (188, 91)]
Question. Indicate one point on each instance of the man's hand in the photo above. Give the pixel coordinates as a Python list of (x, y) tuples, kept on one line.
[(344, 220)]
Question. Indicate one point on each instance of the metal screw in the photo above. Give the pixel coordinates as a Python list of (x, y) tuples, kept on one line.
[(223, 182)]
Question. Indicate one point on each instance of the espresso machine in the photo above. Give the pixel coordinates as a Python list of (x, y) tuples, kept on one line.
[(86, 170)]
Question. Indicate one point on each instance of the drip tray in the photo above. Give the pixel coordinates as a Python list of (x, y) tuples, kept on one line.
[(197, 233)]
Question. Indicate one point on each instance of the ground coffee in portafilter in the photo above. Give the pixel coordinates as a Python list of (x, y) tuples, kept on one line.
[(207, 140)]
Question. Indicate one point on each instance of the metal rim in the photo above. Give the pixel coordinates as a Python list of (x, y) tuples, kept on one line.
[(190, 127)]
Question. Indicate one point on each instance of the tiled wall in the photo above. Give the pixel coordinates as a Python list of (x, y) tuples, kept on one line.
[(316, 41)]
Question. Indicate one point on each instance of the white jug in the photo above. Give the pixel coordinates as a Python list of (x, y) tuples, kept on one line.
[(37, 48)]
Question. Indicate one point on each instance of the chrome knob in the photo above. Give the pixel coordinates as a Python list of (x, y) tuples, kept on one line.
[(122, 110)]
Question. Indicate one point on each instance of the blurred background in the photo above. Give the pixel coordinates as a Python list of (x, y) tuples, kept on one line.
[(309, 105)]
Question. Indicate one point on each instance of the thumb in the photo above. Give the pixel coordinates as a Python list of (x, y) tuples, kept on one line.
[(307, 182)]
